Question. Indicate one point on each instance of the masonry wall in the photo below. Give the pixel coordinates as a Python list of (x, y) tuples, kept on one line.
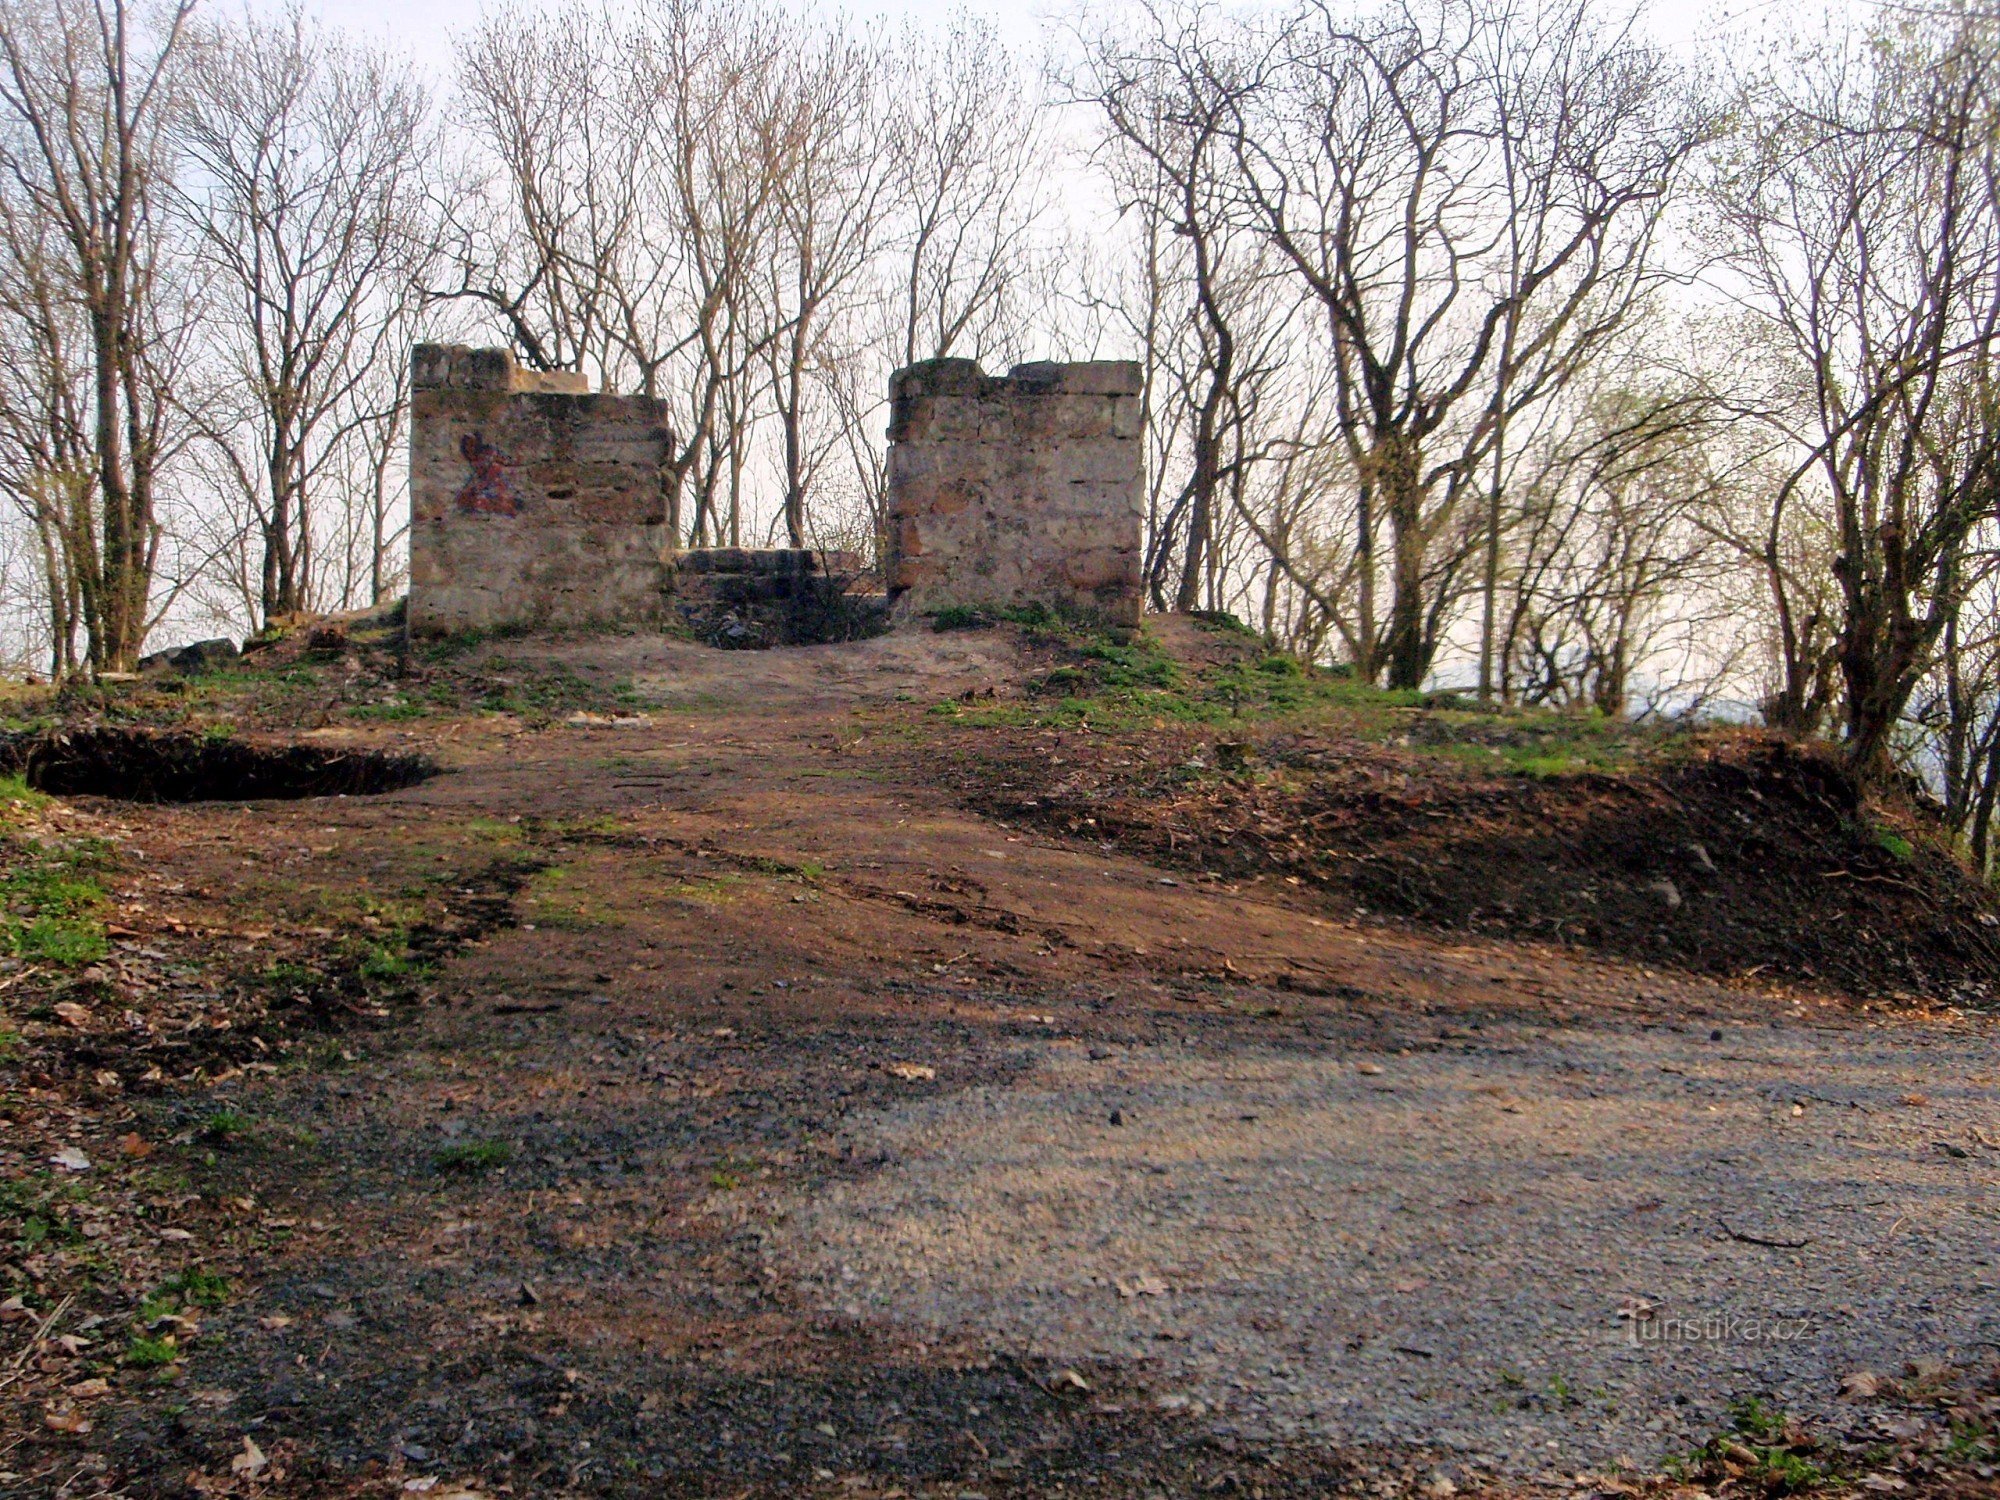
[(1019, 488), (533, 502)]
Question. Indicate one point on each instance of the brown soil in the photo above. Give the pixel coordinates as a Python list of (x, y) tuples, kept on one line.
[(1739, 854), (459, 1089)]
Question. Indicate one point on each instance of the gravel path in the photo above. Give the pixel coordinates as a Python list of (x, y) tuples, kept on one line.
[(1448, 1248)]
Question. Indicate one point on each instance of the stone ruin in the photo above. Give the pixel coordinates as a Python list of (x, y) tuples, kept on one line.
[(1016, 489), (535, 502)]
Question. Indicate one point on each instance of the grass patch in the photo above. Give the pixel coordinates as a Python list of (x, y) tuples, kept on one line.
[(715, 890), (1127, 682), (223, 1126), (1764, 1452), (14, 790), (469, 1157), (541, 696), (49, 903), (808, 870), (37, 1206), (148, 1353), (959, 617), (285, 976), (551, 903), (390, 961), (1220, 622), (395, 711), (196, 1288)]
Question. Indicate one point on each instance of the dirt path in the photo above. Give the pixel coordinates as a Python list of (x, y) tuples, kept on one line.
[(801, 1133)]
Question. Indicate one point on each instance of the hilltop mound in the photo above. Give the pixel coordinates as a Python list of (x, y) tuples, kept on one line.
[(1727, 853)]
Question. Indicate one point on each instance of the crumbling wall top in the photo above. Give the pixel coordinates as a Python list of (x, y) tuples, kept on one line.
[(457, 367), (963, 377)]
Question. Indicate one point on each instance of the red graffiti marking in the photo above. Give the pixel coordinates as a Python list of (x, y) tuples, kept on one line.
[(486, 491)]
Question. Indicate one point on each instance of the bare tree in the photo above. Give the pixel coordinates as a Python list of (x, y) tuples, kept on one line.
[(827, 195), (47, 467), (1863, 221), (306, 198), (85, 91), (1216, 314), (967, 151), (1376, 160)]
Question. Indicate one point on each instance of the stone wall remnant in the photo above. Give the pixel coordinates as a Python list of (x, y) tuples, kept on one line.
[(1016, 489), (533, 501)]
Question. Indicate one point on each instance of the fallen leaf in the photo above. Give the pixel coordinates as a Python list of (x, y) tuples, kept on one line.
[(1145, 1284), (72, 1014), (1072, 1379), (250, 1461), (71, 1159), (14, 1310), (84, 1390), (178, 1236), (1369, 1069), (911, 1072), (68, 1419), (1861, 1385), (135, 1146)]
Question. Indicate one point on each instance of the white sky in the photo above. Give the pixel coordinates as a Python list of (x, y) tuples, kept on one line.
[(423, 28)]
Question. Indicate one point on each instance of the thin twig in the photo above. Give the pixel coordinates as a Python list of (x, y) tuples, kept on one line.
[(16, 1370), (43, 1332), (14, 979), (1758, 1239)]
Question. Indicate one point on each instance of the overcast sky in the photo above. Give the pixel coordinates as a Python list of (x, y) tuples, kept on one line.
[(423, 28)]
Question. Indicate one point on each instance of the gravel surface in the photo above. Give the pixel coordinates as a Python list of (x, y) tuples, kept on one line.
[(1449, 1248)]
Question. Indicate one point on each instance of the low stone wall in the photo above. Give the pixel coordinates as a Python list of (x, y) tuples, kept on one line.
[(749, 598), (1014, 489), (533, 502)]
